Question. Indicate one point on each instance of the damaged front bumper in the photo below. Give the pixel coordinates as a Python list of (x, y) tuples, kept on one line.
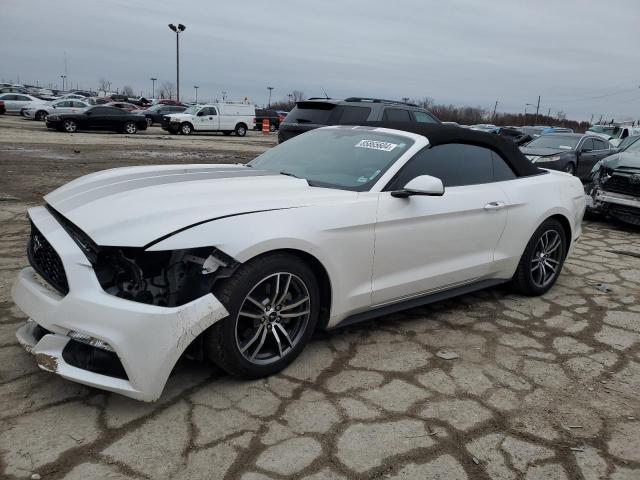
[(623, 207), (78, 334)]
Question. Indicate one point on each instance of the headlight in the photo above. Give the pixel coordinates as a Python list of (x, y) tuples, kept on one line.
[(167, 278), (174, 120), (552, 158), (53, 117)]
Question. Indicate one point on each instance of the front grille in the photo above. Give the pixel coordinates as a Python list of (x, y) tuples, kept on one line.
[(46, 261), (622, 184)]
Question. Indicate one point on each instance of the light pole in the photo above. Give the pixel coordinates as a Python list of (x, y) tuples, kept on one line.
[(196, 87), (525, 111), (63, 77), (224, 96), (153, 87), (270, 90), (180, 28)]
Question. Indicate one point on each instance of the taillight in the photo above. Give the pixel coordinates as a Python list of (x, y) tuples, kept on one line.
[(254, 120)]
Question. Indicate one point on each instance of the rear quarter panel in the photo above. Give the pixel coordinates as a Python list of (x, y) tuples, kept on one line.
[(532, 200)]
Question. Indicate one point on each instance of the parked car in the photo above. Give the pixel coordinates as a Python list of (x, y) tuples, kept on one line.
[(12, 89), (282, 115), (154, 113), (129, 107), (614, 133), (265, 114), (40, 111), (3, 109), (14, 102), (167, 101), (100, 117), (140, 262), (314, 113), (215, 117), (534, 132), (573, 153), (615, 187), (485, 127)]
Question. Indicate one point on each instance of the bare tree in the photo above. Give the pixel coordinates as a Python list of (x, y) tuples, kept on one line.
[(167, 90), (127, 91), (103, 84), (297, 95)]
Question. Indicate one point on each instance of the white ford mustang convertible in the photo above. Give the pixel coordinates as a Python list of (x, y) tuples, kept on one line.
[(131, 267)]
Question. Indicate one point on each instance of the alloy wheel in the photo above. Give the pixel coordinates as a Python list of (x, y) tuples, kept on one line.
[(70, 126), (130, 128), (273, 318), (546, 259)]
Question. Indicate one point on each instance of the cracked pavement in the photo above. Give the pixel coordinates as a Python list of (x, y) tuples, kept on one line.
[(542, 388)]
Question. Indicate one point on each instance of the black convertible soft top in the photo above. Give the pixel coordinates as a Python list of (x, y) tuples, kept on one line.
[(441, 134)]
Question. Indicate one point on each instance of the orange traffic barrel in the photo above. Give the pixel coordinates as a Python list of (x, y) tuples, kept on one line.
[(265, 126)]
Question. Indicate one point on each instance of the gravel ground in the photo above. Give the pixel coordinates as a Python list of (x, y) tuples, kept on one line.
[(542, 388)]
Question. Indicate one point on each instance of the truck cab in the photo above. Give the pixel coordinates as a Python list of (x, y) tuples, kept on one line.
[(615, 133), (214, 117)]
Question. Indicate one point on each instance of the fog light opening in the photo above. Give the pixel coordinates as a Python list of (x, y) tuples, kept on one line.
[(89, 340)]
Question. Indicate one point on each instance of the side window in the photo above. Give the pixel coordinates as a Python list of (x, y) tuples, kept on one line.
[(587, 145), (456, 164), (396, 115), (78, 104), (423, 117), (22, 98), (501, 170), (625, 133), (353, 115), (600, 145)]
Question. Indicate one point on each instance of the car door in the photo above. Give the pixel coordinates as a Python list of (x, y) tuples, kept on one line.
[(206, 119), (588, 156), (602, 150), (10, 102), (21, 101), (426, 243), (62, 106)]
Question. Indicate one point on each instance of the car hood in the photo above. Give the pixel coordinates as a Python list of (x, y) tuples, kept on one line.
[(542, 152), (622, 160), (133, 206), (179, 116)]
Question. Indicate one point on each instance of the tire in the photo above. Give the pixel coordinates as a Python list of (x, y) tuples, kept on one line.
[(130, 128), (245, 345), (570, 168), (149, 121), (70, 126), (41, 115), (241, 130), (272, 127), (186, 128), (227, 132), (540, 257)]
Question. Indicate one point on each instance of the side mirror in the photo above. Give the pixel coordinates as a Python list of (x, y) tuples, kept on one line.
[(422, 185)]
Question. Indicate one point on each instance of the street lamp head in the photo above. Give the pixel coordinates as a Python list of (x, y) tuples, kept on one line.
[(181, 27), (173, 27)]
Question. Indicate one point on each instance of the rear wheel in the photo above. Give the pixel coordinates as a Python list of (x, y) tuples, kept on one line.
[(130, 128), (542, 260), (272, 127), (149, 121), (241, 130), (186, 129), (273, 305), (70, 126)]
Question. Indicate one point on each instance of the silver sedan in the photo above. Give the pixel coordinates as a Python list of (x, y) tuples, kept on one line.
[(40, 111)]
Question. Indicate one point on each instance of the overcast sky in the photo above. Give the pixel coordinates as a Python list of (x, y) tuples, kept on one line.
[(581, 56)]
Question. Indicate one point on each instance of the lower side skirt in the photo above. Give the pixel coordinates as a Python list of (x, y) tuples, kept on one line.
[(418, 302)]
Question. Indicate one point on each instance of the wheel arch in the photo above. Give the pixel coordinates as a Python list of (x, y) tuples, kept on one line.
[(321, 273), (241, 124), (566, 226)]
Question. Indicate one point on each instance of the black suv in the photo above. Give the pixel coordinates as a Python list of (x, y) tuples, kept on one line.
[(320, 112)]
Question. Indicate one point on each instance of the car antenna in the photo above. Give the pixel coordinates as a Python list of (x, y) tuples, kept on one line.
[(325, 93)]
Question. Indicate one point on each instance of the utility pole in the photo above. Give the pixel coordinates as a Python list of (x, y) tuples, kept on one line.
[(179, 29), (549, 112), (537, 110), (153, 87), (493, 117), (270, 90), (224, 96), (196, 87), (63, 77)]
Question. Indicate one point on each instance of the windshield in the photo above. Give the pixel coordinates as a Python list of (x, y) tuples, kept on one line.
[(627, 142), (560, 142), (192, 110), (350, 159), (612, 131), (634, 147)]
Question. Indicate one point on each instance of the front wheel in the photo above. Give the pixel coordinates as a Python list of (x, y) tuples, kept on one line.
[(130, 128), (542, 260), (70, 126), (570, 168), (273, 305), (241, 130), (272, 127), (149, 121), (41, 115), (186, 129)]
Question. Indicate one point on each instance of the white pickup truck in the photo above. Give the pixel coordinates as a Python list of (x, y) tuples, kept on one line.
[(615, 133), (212, 117)]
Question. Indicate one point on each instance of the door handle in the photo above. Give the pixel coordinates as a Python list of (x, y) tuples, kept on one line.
[(495, 205)]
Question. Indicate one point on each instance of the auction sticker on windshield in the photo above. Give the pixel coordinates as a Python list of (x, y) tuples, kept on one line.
[(376, 145)]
